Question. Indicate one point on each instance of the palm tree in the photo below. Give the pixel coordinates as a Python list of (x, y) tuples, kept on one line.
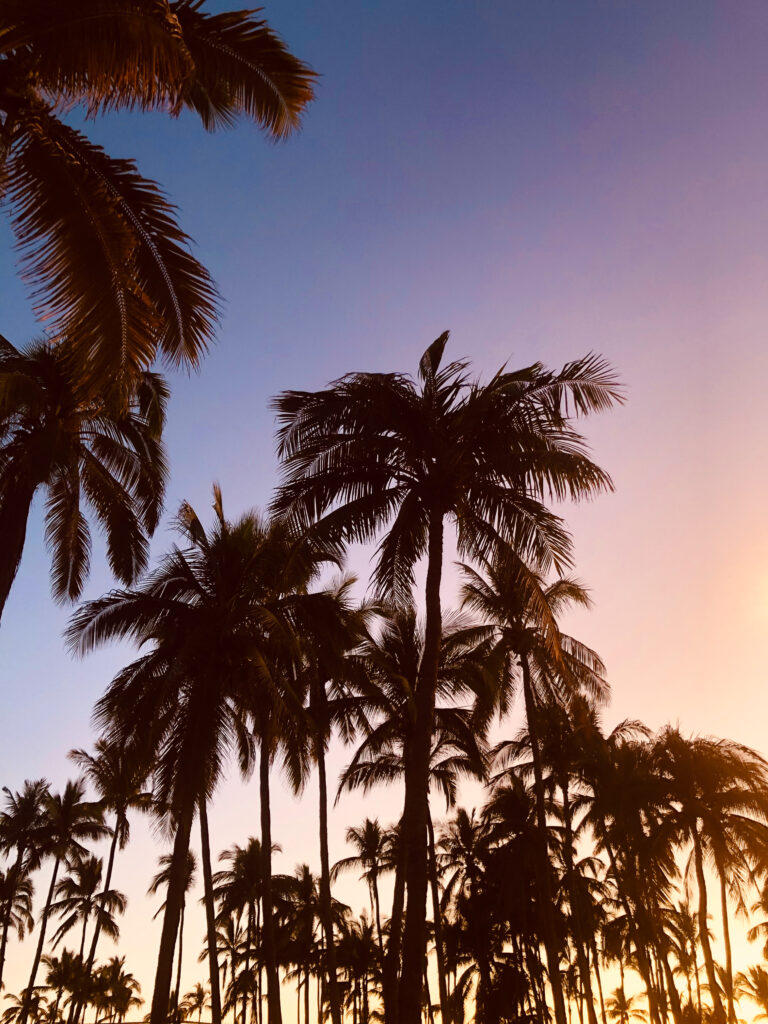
[(20, 830), (28, 1003), (122, 988), (197, 1000), (99, 243), (59, 437), (68, 820), (64, 974), (370, 843), (754, 985), (79, 900), (553, 668), (16, 894), (237, 891), (375, 448), (162, 881), (218, 619), (118, 774), (622, 1009)]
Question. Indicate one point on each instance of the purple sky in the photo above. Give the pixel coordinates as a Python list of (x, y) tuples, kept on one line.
[(542, 178)]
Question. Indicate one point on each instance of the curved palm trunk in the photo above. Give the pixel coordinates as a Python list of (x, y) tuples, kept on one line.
[(326, 911), (542, 860), (274, 1011), (727, 944), (25, 1006), (706, 949), (177, 990), (445, 1011), (13, 530), (210, 922), (177, 884), (417, 788), (15, 873)]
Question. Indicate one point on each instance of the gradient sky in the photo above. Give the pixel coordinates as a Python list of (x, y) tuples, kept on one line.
[(541, 177)]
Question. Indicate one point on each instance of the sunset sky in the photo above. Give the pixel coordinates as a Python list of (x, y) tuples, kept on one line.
[(543, 178)]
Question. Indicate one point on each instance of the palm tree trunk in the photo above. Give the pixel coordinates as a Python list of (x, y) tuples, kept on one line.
[(727, 944), (576, 917), (274, 1012), (177, 992), (542, 860), (392, 959), (247, 994), (210, 917), (15, 873), (24, 1012), (13, 530), (326, 910), (445, 1011), (177, 883), (417, 787), (717, 1005)]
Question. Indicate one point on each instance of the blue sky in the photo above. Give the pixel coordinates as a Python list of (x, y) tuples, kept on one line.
[(541, 177)]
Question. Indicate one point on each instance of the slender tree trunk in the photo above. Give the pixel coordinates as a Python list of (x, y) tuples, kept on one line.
[(542, 860), (306, 994), (174, 900), (417, 786), (177, 992), (717, 1005), (15, 875), (24, 1012), (274, 1011), (598, 979), (727, 944), (13, 530), (445, 1009), (326, 907), (210, 916), (247, 993), (392, 960), (576, 918)]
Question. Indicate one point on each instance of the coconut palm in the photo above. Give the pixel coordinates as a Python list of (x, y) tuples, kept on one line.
[(161, 881), (59, 438), (108, 264), (118, 775), (79, 899), (64, 974), (21, 823), (28, 1004), (218, 620), (623, 1008), (753, 984), (551, 667), (68, 821), (16, 892), (378, 449), (370, 844), (197, 1000)]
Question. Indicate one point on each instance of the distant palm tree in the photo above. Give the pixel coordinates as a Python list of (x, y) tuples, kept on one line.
[(68, 821), (64, 974), (27, 1004), (377, 450), (58, 437), (623, 1009), (161, 881), (109, 265), (122, 989), (21, 824), (197, 1000), (79, 899), (753, 984)]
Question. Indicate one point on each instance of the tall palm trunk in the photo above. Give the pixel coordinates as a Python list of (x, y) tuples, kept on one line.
[(445, 1012), (576, 917), (177, 884), (247, 965), (542, 860), (24, 1012), (13, 530), (326, 911), (210, 917), (274, 1011), (417, 788), (717, 1005), (391, 969), (15, 875), (177, 990), (727, 944)]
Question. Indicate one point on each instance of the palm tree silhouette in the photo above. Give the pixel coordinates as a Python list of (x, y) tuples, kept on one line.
[(197, 1000), (378, 448), (79, 899), (68, 820), (161, 881), (59, 437), (753, 984), (100, 245)]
